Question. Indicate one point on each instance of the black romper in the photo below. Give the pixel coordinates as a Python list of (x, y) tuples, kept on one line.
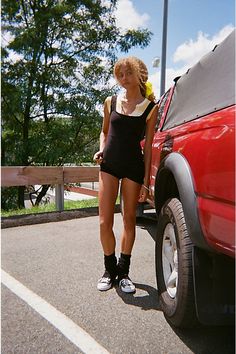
[(122, 155)]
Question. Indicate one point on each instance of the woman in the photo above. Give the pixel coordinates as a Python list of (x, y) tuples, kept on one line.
[(127, 117)]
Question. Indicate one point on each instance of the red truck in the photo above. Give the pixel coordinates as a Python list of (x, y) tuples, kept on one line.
[(192, 187)]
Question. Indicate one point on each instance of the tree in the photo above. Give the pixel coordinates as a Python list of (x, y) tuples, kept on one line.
[(55, 70)]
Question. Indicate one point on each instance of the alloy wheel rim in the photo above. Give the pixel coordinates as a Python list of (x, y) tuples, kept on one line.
[(170, 260)]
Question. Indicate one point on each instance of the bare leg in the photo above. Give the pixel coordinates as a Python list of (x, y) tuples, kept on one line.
[(108, 191), (130, 194)]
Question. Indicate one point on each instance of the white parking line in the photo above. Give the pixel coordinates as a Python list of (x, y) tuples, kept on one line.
[(67, 327)]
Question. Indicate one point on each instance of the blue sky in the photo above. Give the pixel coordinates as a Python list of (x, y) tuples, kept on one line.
[(194, 27)]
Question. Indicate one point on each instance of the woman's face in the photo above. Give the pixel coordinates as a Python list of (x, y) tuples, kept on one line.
[(127, 77)]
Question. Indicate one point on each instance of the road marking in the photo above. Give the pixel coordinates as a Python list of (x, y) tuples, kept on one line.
[(67, 327)]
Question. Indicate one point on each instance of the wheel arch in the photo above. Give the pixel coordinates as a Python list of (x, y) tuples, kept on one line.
[(174, 179)]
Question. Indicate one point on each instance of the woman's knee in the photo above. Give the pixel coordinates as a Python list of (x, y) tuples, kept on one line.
[(106, 225), (129, 221)]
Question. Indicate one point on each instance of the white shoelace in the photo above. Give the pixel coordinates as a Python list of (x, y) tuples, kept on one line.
[(126, 282)]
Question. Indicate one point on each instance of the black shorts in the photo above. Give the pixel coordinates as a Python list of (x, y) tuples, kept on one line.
[(133, 172)]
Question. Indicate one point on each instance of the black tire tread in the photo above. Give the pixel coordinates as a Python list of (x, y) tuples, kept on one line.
[(185, 314)]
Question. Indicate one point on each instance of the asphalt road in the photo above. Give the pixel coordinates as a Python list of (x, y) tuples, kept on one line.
[(61, 263)]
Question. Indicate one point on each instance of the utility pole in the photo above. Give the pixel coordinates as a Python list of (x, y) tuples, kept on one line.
[(163, 52)]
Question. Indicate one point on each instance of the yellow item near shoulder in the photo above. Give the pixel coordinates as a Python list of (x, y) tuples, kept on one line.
[(149, 90)]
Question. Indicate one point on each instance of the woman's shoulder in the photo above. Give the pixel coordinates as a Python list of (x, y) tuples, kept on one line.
[(153, 108), (107, 103), (153, 105), (110, 102), (154, 102), (108, 99)]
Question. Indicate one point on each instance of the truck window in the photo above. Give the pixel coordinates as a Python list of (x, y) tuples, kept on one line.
[(161, 109)]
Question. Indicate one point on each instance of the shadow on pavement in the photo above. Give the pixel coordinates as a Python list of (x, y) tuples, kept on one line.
[(147, 301), (201, 340), (206, 340), (148, 222)]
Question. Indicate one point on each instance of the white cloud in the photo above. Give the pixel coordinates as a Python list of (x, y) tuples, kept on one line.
[(127, 16), (191, 51), (188, 54), (14, 57), (171, 73), (6, 38)]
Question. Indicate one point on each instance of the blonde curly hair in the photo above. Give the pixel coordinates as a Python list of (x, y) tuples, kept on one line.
[(135, 65)]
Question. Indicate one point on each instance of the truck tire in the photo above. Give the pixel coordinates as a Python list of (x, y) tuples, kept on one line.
[(174, 266)]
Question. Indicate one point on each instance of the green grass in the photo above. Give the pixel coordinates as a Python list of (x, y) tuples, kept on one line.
[(68, 205)]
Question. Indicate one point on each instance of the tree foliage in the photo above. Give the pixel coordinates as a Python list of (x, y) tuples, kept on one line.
[(55, 71)]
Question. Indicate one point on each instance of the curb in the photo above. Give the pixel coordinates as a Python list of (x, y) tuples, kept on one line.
[(41, 218)]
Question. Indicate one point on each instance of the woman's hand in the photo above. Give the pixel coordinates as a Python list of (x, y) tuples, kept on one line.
[(143, 194), (98, 157)]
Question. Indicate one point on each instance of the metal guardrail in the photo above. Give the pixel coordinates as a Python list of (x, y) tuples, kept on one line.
[(12, 176)]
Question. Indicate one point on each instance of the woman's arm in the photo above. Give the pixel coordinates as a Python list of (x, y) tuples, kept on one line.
[(105, 123), (150, 127), (105, 126)]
